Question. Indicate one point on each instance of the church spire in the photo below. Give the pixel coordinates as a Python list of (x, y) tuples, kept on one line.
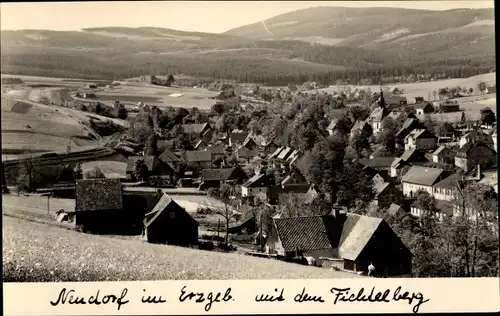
[(382, 100)]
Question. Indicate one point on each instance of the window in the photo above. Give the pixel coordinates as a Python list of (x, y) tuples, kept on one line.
[(172, 214)]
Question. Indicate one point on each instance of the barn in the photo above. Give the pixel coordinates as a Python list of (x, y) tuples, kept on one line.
[(169, 223)]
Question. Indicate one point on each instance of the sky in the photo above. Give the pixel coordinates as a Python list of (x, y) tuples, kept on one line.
[(199, 16)]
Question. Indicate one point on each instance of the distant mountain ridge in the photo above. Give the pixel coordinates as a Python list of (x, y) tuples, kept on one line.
[(323, 44)]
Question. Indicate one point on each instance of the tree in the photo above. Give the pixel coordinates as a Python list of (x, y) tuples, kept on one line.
[(481, 86), (151, 148), (141, 172), (387, 136), (487, 116), (93, 173), (122, 112), (170, 80), (471, 90), (27, 171), (228, 195), (359, 141)]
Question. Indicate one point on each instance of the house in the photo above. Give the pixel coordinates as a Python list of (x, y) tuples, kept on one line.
[(376, 117), (409, 125), (491, 89), (246, 154), (476, 136), (169, 223), (199, 159), (381, 165), (332, 126), (362, 126), (275, 154), (394, 213), (443, 209), (88, 95), (269, 147), (218, 151), (170, 158), (420, 139), (420, 178), (295, 181), (237, 139), (447, 106), (443, 155), (197, 130), (473, 154), (99, 205), (423, 108), (285, 153), (249, 143), (384, 192), (397, 117), (409, 157), (156, 167), (446, 189), (396, 100), (213, 178), (348, 242), (255, 185), (246, 225)]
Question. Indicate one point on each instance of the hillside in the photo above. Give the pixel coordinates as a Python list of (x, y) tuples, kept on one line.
[(406, 31), (116, 259)]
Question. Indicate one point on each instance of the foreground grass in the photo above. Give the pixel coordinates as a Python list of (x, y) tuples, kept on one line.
[(37, 252)]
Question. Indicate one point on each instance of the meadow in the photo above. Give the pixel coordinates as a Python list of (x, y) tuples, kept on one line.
[(39, 252)]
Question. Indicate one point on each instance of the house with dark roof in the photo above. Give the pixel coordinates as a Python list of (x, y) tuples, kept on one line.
[(420, 139), (349, 242), (473, 154), (294, 183), (156, 167), (246, 225), (237, 139), (255, 185), (199, 159), (421, 178), (409, 125), (443, 155), (380, 165), (213, 178), (423, 108), (246, 154), (169, 223), (168, 156), (409, 157), (99, 205), (384, 193), (196, 130), (361, 126)]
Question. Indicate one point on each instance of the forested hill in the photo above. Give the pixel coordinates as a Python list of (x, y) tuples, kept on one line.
[(120, 52)]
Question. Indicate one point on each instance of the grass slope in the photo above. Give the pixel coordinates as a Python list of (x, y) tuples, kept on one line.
[(39, 252)]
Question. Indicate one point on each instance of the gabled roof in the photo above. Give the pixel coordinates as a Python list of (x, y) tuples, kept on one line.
[(380, 187), (285, 153), (378, 114), (196, 156), (358, 234), (98, 195), (394, 209), (149, 161), (422, 176), (217, 174), (169, 156), (421, 133), (359, 125), (194, 128), (256, 181), (276, 152), (395, 115), (238, 137), (295, 174), (406, 125), (199, 143), (422, 105), (293, 155), (441, 149), (303, 233), (247, 153), (163, 204), (449, 182), (248, 141), (377, 162), (332, 124)]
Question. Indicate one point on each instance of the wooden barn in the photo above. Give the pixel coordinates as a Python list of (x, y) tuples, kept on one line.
[(169, 223), (99, 205), (349, 242)]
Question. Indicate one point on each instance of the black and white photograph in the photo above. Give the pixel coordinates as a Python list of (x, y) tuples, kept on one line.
[(248, 140)]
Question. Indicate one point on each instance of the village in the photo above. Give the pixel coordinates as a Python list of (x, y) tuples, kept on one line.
[(340, 181)]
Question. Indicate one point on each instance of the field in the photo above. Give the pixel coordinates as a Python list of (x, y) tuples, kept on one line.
[(36, 248), (423, 89)]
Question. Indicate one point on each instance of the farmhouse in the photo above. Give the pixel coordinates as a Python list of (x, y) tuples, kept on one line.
[(420, 178), (169, 223), (156, 167), (409, 125), (213, 178), (420, 139), (346, 241), (99, 205), (473, 154)]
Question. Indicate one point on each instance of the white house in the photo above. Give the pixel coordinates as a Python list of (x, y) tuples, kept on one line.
[(420, 178), (476, 136)]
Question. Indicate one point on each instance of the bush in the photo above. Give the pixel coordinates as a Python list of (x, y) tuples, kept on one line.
[(213, 192), (204, 211)]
